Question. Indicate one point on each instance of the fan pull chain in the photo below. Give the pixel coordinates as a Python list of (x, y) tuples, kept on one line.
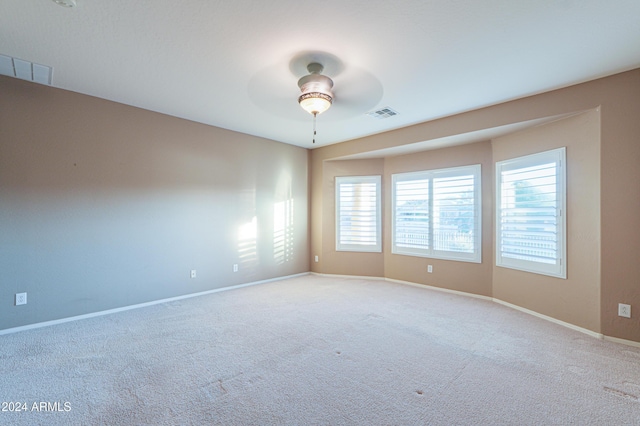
[(314, 126)]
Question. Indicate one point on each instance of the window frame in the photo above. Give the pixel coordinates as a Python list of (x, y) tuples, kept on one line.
[(558, 155), (430, 252), (372, 248)]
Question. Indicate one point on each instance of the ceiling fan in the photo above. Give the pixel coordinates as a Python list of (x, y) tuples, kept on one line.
[(347, 89), (316, 95)]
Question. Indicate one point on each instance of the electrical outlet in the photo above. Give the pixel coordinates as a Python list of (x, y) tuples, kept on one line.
[(21, 299), (235, 267), (316, 259), (624, 310), (193, 273), (430, 269)]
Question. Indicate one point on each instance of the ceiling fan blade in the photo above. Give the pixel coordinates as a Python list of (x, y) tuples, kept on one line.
[(356, 92)]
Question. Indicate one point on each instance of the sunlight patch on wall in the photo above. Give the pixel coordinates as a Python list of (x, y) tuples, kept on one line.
[(283, 220), (247, 244), (283, 231)]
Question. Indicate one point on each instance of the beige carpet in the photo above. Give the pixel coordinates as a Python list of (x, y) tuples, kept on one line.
[(317, 350)]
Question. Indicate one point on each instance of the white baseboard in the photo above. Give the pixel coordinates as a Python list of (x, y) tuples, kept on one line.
[(622, 341), (142, 305), (510, 305), (550, 319), (444, 290), (354, 277)]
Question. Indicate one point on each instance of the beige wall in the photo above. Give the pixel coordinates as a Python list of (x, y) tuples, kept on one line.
[(345, 262), (461, 276), (575, 300), (618, 98), (104, 205), (620, 202)]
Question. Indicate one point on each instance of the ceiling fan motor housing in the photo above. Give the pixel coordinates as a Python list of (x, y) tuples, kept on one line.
[(316, 88)]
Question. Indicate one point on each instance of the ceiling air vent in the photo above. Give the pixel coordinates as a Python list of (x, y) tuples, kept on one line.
[(25, 70), (385, 112)]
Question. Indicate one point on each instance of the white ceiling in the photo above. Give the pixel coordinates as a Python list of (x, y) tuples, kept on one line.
[(235, 64)]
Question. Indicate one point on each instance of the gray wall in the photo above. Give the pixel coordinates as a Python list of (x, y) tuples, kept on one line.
[(104, 205)]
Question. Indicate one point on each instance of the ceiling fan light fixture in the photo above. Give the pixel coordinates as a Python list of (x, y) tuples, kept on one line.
[(316, 95), (315, 102)]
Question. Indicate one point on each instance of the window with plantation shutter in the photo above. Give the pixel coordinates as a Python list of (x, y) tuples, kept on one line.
[(437, 213), (530, 213), (358, 214)]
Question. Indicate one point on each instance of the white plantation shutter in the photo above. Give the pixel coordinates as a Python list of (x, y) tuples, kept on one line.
[(454, 214), (412, 224), (530, 213), (358, 218), (436, 213)]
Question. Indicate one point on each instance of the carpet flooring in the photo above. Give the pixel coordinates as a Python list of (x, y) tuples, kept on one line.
[(317, 350)]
